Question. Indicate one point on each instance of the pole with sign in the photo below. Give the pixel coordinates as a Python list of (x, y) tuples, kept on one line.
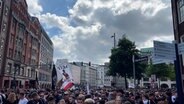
[(137, 60), (178, 76)]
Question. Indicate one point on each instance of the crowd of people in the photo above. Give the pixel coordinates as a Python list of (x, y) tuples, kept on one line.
[(95, 96)]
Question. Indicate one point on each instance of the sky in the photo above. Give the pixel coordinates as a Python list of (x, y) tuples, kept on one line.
[(81, 30)]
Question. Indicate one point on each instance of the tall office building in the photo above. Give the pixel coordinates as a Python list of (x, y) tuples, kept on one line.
[(45, 60)]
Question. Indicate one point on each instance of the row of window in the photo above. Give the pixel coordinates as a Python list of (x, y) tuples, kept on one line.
[(47, 45), (21, 57), (6, 8), (3, 30), (17, 55), (43, 77), (107, 80), (20, 71)]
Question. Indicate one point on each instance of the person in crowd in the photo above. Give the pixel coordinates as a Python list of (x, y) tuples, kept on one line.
[(89, 101), (118, 100), (42, 99), (51, 100), (71, 99), (66, 96), (152, 98), (11, 99), (58, 96), (145, 99), (80, 100), (112, 97), (174, 97), (35, 98), (62, 101), (2, 97), (22, 98)]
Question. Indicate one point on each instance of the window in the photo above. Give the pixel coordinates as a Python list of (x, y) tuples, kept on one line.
[(15, 54), (21, 71), (4, 27), (28, 73), (11, 39), (19, 54), (14, 24), (0, 4), (23, 59), (10, 54), (181, 10), (8, 70), (31, 73), (6, 10), (1, 44)]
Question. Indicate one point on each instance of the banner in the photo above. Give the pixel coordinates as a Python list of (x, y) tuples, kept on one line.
[(64, 74)]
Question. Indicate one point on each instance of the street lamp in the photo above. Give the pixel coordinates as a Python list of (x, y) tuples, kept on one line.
[(114, 36)]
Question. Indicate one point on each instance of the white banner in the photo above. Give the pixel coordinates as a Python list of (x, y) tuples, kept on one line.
[(64, 74)]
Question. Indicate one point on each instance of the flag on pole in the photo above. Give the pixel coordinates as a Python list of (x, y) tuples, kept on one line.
[(54, 78)]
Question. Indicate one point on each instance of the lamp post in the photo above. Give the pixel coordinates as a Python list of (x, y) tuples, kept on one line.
[(114, 36)]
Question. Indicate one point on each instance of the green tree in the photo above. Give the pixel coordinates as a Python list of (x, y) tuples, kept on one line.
[(172, 74), (161, 71), (121, 60)]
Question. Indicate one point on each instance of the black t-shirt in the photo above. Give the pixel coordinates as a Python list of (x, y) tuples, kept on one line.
[(8, 102), (42, 101), (32, 102)]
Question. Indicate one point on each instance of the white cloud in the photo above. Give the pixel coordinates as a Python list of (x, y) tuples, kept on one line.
[(34, 7), (85, 32), (52, 20)]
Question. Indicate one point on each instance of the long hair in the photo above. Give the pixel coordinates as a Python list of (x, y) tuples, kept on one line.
[(12, 97)]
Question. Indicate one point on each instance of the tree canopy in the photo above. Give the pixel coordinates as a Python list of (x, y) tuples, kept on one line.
[(161, 71), (121, 60)]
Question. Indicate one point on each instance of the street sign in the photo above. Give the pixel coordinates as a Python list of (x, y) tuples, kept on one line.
[(181, 48), (145, 58), (163, 50)]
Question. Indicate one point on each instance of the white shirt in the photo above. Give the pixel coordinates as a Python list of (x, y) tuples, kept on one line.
[(23, 101), (173, 98)]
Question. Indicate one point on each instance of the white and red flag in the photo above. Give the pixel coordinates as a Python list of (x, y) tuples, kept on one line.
[(64, 74)]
